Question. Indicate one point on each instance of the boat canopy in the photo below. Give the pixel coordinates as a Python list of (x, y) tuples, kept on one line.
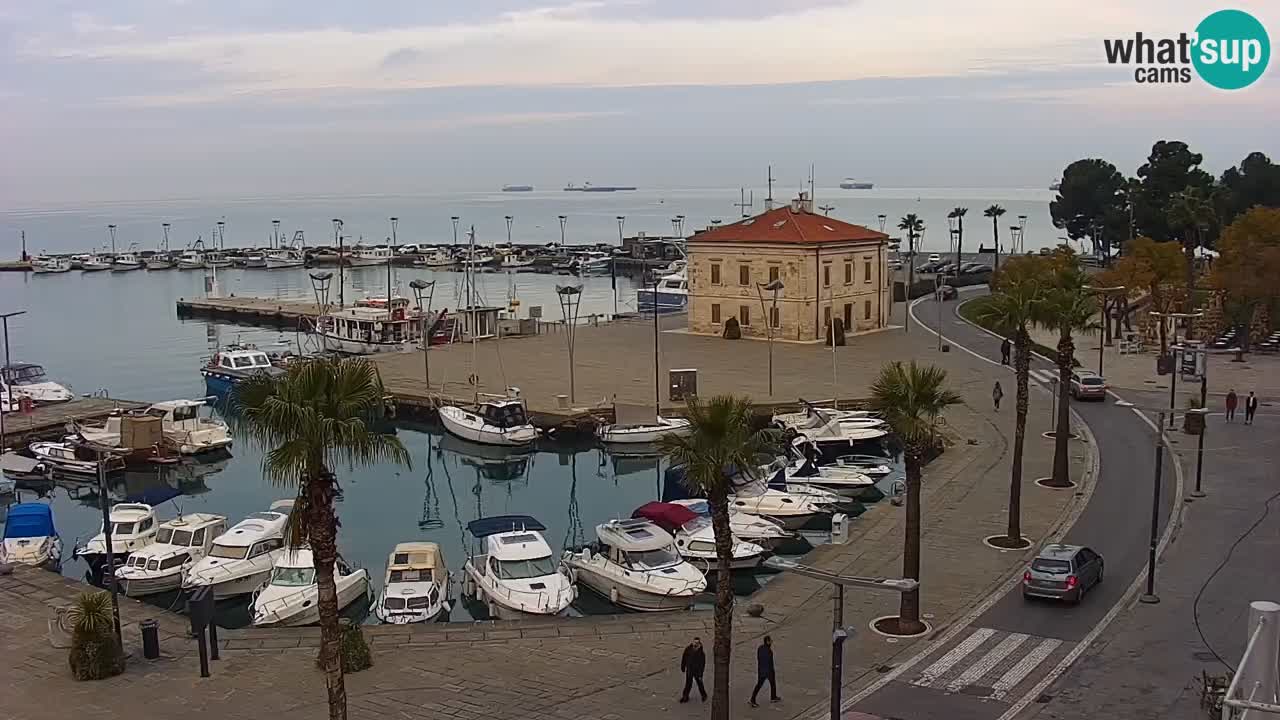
[(633, 535), (416, 556), (504, 415), (667, 516), (484, 527), (29, 520)]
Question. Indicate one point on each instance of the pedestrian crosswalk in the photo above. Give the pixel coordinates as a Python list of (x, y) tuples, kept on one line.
[(990, 663), (1047, 377)]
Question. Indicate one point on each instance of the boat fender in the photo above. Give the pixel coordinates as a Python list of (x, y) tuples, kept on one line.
[(613, 595), (492, 607)]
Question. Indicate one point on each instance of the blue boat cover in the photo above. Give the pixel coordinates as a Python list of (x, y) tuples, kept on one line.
[(484, 527), (29, 520), (674, 487)]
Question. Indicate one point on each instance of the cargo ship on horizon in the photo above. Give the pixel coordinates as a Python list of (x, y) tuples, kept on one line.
[(851, 184), (588, 187), (517, 188)]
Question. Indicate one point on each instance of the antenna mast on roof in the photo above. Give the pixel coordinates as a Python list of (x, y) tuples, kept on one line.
[(743, 203), (811, 197), (768, 201)]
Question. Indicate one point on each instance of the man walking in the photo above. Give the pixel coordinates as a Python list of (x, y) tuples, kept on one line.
[(996, 393), (1005, 347), (692, 664), (1250, 407), (1232, 400), (764, 671)]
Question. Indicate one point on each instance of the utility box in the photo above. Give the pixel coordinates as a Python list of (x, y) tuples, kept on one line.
[(839, 529), (141, 431), (684, 384)]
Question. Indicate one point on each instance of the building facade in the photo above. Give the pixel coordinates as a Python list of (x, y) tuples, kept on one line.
[(827, 268)]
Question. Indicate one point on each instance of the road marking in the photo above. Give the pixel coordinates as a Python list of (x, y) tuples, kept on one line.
[(983, 666), (957, 653), (1023, 668), (1043, 376)]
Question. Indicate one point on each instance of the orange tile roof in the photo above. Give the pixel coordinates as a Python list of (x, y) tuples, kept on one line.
[(790, 227)]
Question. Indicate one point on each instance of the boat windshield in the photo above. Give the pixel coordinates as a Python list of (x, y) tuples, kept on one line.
[(522, 569), (293, 577), (169, 536), (26, 375), (652, 559), (229, 552), (122, 528), (408, 576)]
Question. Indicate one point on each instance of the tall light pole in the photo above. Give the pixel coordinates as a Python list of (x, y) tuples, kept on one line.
[(613, 269), (320, 285), (1022, 231), (563, 219), (774, 286), (275, 234), (1105, 292), (454, 219), (112, 230), (423, 288), (1015, 239), (570, 300), (165, 227), (222, 234), (342, 261), (395, 222), (826, 209), (882, 218), (109, 574), (509, 219)]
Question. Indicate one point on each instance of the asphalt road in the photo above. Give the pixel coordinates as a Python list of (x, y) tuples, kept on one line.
[(1016, 642)]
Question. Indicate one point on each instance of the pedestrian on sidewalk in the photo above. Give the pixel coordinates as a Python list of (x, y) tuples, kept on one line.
[(1250, 407), (692, 664), (1005, 347), (1232, 400), (764, 671), (996, 393)]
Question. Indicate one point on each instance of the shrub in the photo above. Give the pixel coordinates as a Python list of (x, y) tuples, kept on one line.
[(95, 654)]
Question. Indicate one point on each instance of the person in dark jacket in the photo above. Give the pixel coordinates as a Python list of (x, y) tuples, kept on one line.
[(1005, 347), (1232, 400), (1250, 408), (692, 664), (764, 671)]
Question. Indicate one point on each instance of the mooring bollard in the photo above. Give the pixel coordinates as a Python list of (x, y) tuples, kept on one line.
[(150, 639)]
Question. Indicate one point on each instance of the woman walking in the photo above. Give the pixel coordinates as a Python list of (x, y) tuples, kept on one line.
[(996, 393)]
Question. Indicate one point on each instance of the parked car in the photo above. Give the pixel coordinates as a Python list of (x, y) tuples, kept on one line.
[(1087, 385), (927, 267), (946, 269), (409, 249), (975, 267), (1062, 572), (934, 257), (947, 292)]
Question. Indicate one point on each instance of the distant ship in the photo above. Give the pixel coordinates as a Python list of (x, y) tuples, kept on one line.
[(851, 184), (588, 187), (517, 188)]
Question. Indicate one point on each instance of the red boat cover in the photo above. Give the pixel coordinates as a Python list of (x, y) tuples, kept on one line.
[(667, 516)]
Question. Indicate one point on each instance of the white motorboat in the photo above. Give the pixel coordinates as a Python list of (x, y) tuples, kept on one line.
[(127, 261), (133, 527), (291, 597), (516, 575), (217, 259), (231, 366), (846, 481), (161, 261), (480, 260), (618, 433), (874, 466), (832, 437), (96, 263), (285, 258), (805, 418), (53, 265), (517, 262), (160, 566), (494, 422), (695, 538), (370, 329), (67, 458), (192, 259), (416, 588), (30, 537), (240, 560), (635, 564), (792, 510), (593, 262), (364, 256), (436, 259), (254, 259), (30, 380), (669, 294), (756, 529), (185, 429)]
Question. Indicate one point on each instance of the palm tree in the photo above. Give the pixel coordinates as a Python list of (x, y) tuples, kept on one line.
[(723, 435), (309, 420), (958, 215), (911, 398), (1011, 310), (1191, 212), (914, 227), (994, 212), (1069, 309)]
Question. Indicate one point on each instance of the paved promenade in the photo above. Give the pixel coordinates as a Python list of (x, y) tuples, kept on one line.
[(621, 666)]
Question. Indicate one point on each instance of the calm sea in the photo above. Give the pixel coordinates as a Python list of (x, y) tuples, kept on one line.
[(119, 333)]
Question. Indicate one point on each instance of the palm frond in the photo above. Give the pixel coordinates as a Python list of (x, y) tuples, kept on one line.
[(911, 398), (723, 437)]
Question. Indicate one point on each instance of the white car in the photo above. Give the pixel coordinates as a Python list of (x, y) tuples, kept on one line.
[(935, 257)]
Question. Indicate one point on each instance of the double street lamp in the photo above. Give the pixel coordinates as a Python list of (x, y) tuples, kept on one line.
[(570, 300), (774, 286), (1173, 372), (423, 288), (1106, 293)]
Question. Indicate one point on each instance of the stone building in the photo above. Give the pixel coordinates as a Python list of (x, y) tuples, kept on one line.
[(827, 268)]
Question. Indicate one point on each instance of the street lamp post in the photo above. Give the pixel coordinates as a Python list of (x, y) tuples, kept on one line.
[(109, 575), (424, 288), (1105, 292), (775, 286), (342, 261), (320, 286), (1173, 374), (570, 301), (882, 218), (509, 220), (275, 234), (840, 633), (613, 270), (222, 234), (454, 219), (563, 219)]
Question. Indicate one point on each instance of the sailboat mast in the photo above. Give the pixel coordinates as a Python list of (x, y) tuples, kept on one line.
[(469, 280), (657, 393)]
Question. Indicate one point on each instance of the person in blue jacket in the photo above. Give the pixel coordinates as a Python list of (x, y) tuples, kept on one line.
[(764, 671)]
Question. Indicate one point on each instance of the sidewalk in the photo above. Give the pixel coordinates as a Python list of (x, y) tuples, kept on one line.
[(627, 666)]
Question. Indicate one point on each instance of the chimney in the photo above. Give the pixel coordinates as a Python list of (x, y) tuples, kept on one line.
[(797, 205)]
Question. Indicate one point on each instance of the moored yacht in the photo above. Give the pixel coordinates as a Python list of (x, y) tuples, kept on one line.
[(217, 259), (240, 560), (634, 564), (695, 538), (161, 261), (644, 431), (234, 365), (191, 259), (761, 531), (70, 459), (669, 294), (125, 262), (254, 259), (835, 435), (291, 597), (416, 588), (846, 481), (30, 537), (133, 527), (53, 265), (179, 544), (438, 258), (30, 380), (185, 429), (493, 422), (363, 255), (516, 575)]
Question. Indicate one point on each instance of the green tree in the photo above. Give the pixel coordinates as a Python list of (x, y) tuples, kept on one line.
[(911, 399), (308, 421), (95, 654), (958, 214), (723, 435), (914, 227), (1090, 202), (1192, 216), (1067, 308), (1011, 310), (1256, 181), (1247, 269), (1170, 169), (994, 212), (1157, 268)]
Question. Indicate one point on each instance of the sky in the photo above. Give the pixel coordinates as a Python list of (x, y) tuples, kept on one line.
[(138, 99)]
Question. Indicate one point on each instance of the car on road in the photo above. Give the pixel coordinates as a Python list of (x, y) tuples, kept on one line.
[(975, 267), (947, 292), (934, 257), (1062, 572), (946, 268), (1086, 385)]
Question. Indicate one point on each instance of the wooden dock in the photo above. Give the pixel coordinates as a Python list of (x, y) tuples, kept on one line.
[(250, 310), (50, 421)]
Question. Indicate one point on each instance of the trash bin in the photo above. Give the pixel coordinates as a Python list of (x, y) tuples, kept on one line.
[(150, 639)]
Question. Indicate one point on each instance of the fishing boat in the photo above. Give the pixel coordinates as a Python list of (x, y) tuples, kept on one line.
[(133, 527), (216, 259), (240, 560), (593, 262), (254, 259), (635, 564), (72, 460), (234, 365), (179, 544), (513, 571), (500, 421), (130, 260), (439, 258), (96, 263), (291, 597), (284, 258), (369, 328), (185, 429), (695, 538), (161, 261), (669, 294), (193, 257), (416, 587), (30, 380), (756, 529), (517, 263), (51, 266), (30, 537), (364, 256)]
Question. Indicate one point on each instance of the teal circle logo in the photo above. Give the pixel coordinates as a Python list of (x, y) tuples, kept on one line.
[(1231, 50)]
